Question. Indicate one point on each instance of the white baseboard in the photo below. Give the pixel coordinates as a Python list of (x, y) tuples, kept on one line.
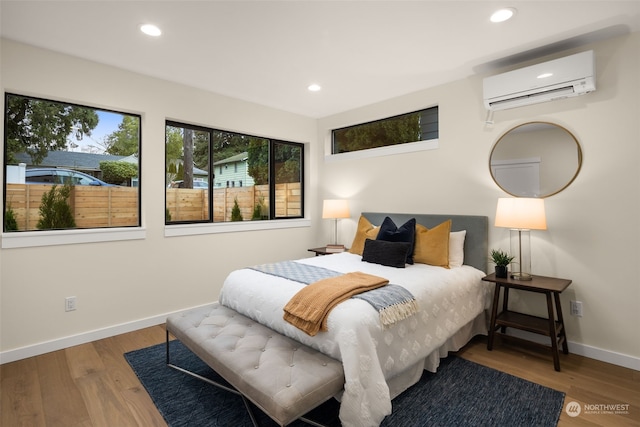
[(607, 356), (596, 353), (85, 337)]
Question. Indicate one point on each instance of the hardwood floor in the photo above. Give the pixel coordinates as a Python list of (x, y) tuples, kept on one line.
[(92, 385), (583, 380)]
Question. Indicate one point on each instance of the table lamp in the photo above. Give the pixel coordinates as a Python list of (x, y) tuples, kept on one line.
[(335, 209), (521, 215)]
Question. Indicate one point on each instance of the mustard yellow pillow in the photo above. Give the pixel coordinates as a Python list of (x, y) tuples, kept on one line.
[(432, 245), (365, 231)]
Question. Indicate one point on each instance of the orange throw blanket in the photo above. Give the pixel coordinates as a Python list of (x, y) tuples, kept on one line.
[(309, 308)]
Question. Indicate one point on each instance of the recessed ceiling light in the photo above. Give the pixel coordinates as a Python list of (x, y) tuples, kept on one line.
[(503, 14), (545, 75), (150, 30), (314, 87)]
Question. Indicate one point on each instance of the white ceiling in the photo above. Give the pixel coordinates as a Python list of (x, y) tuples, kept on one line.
[(268, 52)]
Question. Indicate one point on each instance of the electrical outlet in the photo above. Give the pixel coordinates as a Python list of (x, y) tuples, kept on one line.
[(576, 308), (69, 303)]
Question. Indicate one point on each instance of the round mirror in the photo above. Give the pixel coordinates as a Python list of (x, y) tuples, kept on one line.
[(536, 159)]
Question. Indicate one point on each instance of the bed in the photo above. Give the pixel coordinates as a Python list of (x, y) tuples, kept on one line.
[(380, 361)]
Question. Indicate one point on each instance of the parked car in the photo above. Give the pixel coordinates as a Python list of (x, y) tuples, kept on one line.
[(61, 176), (196, 184)]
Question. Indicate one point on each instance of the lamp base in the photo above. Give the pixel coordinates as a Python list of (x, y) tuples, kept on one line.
[(521, 276)]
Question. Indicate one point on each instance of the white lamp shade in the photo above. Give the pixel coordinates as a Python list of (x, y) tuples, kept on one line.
[(335, 208), (521, 213)]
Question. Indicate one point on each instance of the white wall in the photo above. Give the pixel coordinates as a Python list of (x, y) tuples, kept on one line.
[(121, 282), (593, 226)]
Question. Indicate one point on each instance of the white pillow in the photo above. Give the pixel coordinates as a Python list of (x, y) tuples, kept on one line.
[(456, 248)]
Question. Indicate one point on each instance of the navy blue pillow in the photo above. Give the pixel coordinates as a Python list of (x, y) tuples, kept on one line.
[(391, 254), (405, 233)]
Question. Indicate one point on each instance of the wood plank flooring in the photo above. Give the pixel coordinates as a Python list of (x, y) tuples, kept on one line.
[(92, 385)]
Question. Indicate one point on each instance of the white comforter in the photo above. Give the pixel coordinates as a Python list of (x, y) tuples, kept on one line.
[(447, 300)]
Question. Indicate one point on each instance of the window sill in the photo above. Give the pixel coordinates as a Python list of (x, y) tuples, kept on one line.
[(233, 227), (30, 239), (409, 147)]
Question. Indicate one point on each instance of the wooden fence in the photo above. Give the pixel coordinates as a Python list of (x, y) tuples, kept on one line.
[(96, 207), (192, 205), (92, 207)]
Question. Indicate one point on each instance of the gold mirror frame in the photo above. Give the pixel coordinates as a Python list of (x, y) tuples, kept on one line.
[(535, 159)]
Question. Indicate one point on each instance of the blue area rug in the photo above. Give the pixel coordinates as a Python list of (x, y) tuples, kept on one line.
[(461, 393)]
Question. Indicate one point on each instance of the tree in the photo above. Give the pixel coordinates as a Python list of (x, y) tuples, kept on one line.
[(287, 163), (258, 161), (187, 158), (184, 145), (36, 126), (396, 130), (227, 144), (201, 150), (55, 212), (126, 140), (173, 144)]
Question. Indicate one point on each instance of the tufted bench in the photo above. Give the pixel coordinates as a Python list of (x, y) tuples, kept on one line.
[(282, 377)]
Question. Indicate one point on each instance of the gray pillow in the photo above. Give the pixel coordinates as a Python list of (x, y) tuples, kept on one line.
[(390, 254)]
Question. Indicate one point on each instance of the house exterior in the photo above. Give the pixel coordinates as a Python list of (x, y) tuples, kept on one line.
[(232, 172), (88, 163)]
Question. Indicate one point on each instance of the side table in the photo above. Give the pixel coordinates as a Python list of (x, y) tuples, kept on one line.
[(323, 251), (552, 326)]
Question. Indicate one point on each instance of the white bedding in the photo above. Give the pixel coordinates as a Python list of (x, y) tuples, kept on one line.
[(448, 299)]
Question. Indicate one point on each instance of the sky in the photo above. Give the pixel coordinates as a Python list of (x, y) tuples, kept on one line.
[(107, 123)]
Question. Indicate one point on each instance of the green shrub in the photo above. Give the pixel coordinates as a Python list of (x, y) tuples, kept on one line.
[(118, 172), (236, 215), (258, 210), (10, 222), (257, 213), (55, 211)]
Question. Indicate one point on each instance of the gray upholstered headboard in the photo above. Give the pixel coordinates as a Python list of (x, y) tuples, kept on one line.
[(476, 243)]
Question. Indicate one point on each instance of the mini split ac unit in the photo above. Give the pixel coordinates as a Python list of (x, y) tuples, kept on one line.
[(561, 78)]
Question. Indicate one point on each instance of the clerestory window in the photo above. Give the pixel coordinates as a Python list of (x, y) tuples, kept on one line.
[(402, 129)]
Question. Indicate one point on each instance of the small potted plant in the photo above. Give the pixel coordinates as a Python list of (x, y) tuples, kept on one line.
[(501, 260)]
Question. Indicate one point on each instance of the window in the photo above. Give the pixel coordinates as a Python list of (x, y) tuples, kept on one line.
[(403, 129), (257, 178), (69, 166)]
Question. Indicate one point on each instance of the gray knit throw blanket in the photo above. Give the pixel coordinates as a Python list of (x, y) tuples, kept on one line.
[(393, 302)]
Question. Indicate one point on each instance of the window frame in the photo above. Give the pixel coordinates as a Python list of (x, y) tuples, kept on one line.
[(36, 238), (399, 148), (193, 227), (174, 123), (273, 182)]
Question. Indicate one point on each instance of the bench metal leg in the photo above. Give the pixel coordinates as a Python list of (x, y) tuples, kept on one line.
[(224, 387), (311, 422), (200, 377), (212, 382)]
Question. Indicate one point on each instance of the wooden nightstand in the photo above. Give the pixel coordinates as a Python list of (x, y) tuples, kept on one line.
[(552, 326)]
